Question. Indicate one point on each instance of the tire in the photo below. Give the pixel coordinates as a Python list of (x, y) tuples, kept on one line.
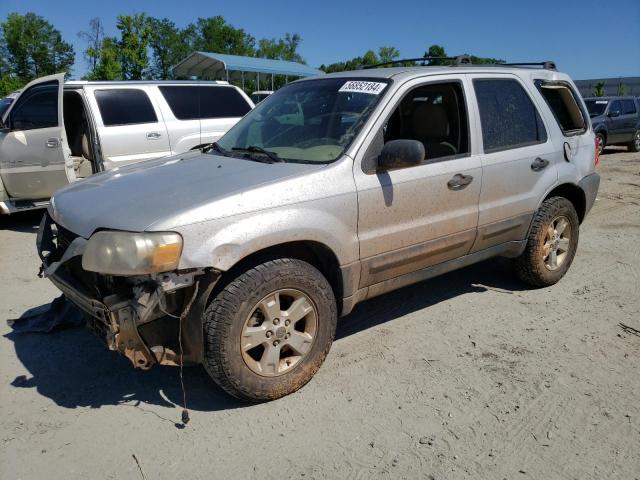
[(634, 145), (246, 319), (602, 142), (536, 264)]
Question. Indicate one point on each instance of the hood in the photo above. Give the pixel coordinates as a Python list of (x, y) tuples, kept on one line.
[(136, 196)]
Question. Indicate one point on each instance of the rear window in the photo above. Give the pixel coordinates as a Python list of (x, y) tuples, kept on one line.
[(193, 102), (125, 106), (562, 102), (508, 116), (628, 107)]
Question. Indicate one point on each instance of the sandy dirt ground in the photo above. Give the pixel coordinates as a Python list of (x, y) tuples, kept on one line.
[(469, 375)]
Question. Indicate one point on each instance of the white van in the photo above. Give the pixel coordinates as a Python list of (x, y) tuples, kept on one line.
[(56, 132)]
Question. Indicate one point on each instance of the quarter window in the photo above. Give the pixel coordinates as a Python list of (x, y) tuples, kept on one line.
[(193, 102), (628, 107), (508, 116), (125, 106), (36, 108), (562, 102)]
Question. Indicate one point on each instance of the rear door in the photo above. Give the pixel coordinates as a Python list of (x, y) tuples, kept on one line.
[(628, 119), (129, 124), (518, 162), (200, 114), (615, 122), (34, 156)]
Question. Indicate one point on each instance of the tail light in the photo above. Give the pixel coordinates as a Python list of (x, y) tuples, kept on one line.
[(597, 155)]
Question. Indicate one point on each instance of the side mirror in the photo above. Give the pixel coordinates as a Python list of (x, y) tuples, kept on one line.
[(614, 113), (401, 154)]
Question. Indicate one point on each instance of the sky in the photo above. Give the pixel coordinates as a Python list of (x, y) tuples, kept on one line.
[(587, 38)]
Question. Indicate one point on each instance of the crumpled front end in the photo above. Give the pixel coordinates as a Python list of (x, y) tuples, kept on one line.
[(147, 318)]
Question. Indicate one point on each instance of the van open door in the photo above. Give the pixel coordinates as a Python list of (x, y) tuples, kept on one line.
[(34, 155)]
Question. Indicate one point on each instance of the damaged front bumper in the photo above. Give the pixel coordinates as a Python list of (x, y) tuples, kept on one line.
[(147, 318)]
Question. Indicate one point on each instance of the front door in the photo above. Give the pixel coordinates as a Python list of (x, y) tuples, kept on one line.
[(34, 156), (416, 217)]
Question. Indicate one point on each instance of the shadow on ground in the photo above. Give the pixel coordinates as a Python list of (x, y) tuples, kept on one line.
[(27, 222), (74, 369)]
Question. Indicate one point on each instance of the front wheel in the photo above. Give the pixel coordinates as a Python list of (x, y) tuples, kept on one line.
[(269, 330), (551, 245), (634, 146)]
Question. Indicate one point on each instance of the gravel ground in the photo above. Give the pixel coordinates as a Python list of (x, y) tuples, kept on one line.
[(469, 375)]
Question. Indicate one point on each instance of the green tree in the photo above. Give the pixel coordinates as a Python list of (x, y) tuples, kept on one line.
[(214, 34), (388, 54), (168, 45), (108, 66), (133, 45), (33, 47), (621, 89), (598, 90), (93, 37), (281, 49), (437, 51)]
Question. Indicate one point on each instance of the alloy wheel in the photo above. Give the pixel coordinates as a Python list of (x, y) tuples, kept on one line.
[(279, 332), (556, 242)]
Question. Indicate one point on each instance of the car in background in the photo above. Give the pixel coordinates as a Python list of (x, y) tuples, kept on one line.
[(258, 96), (7, 101), (57, 132), (615, 120)]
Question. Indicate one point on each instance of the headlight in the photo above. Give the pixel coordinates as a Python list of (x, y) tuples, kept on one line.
[(128, 253)]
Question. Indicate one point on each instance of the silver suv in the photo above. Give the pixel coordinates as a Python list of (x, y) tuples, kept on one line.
[(57, 132), (331, 191)]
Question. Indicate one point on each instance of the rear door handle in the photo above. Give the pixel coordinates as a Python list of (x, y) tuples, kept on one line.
[(539, 164), (459, 181), (153, 135), (52, 142)]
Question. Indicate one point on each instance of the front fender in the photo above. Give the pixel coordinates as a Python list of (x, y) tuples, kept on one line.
[(224, 242)]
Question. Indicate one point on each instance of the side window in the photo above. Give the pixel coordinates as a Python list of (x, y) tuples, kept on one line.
[(615, 107), (36, 108), (125, 106), (508, 116), (628, 107), (562, 102), (434, 114), (193, 102)]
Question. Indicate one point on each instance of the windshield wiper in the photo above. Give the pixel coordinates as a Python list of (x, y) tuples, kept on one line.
[(255, 149), (216, 147)]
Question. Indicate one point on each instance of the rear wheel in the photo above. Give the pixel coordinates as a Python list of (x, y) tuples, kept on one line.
[(269, 330), (601, 142), (634, 146), (551, 245)]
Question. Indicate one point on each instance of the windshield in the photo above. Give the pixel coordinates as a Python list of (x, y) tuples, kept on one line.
[(596, 107), (312, 121)]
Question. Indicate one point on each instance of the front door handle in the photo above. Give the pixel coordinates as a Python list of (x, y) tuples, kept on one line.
[(459, 181), (52, 142), (153, 135), (539, 164)]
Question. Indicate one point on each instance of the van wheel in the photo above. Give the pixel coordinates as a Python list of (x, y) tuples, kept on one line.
[(552, 243), (602, 141), (269, 330), (634, 146)]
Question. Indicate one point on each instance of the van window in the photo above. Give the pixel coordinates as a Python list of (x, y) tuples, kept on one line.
[(193, 102), (562, 102), (508, 116), (628, 107), (36, 108), (125, 106), (434, 114), (615, 106)]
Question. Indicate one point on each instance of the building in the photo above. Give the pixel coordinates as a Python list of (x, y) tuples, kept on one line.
[(612, 86)]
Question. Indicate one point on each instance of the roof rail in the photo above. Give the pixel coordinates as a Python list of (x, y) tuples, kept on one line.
[(466, 60), (459, 60)]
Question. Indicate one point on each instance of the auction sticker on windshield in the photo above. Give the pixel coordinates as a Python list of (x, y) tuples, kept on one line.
[(374, 88)]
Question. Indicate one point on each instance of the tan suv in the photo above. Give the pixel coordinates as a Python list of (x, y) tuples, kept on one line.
[(331, 191)]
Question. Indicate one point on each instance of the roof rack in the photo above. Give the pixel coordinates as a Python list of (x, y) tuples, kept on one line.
[(459, 60), (466, 60)]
